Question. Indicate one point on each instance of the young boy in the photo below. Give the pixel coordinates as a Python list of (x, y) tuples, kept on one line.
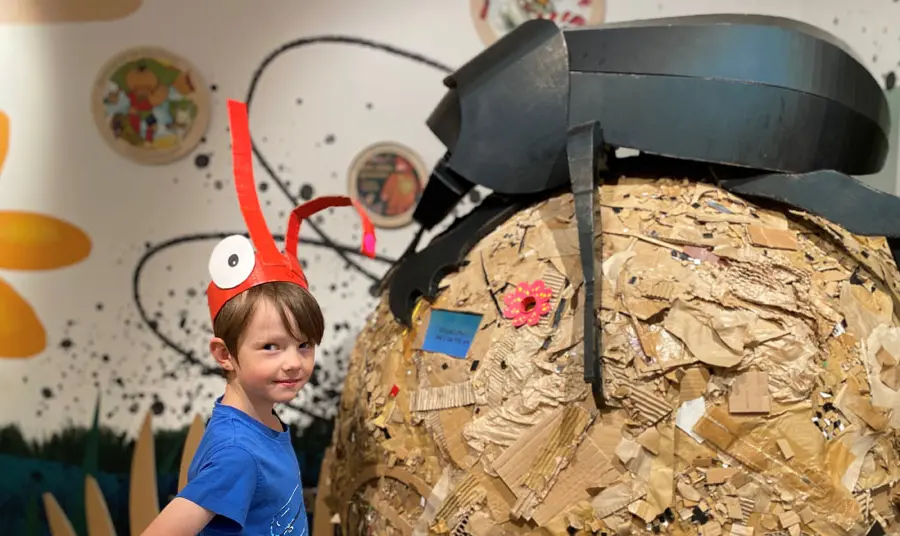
[(244, 477)]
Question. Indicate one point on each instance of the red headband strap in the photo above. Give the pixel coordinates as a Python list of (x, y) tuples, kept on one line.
[(304, 211), (238, 264), (244, 183)]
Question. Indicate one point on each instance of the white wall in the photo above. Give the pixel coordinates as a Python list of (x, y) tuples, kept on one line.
[(59, 165), (888, 179)]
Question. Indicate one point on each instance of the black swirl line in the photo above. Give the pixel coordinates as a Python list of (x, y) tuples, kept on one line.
[(335, 39), (324, 240)]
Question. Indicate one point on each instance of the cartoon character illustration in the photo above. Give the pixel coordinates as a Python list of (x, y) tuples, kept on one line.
[(387, 179), (515, 13), (30, 241), (183, 113), (148, 102), (283, 521), (402, 188)]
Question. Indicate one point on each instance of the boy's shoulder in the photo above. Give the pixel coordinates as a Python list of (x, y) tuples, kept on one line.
[(227, 428), (222, 431)]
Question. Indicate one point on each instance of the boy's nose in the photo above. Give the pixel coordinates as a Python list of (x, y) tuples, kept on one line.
[(293, 360)]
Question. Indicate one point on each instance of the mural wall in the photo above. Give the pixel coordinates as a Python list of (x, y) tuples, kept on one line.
[(115, 185)]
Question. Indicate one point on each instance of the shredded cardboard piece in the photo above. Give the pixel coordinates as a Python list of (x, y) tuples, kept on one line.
[(433, 502), (750, 393), (386, 510), (772, 238), (459, 502), (617, 497), (688, 415), (785, 447), (449, 396), (591, 463), (553, 457), (885, 358), (782, 324), (648, 407), (693, 384), (738, 529)]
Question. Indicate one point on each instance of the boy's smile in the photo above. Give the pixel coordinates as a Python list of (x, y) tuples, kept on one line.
[(290, 384)]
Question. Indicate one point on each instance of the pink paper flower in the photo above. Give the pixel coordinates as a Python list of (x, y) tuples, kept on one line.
[(528, 303)]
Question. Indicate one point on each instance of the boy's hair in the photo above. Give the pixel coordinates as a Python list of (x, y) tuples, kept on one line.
[(299, 312)]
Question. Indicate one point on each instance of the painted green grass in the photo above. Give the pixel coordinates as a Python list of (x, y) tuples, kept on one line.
[(59, 464)]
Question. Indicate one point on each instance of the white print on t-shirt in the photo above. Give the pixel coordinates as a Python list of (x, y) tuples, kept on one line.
[(281, 526)]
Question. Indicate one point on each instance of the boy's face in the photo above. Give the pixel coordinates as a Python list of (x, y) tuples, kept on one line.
[(272, 366)]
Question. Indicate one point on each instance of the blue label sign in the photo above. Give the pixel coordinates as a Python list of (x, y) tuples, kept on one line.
[(451, 332)]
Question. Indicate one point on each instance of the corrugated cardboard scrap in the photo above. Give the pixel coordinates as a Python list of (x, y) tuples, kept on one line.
[(770, 338)]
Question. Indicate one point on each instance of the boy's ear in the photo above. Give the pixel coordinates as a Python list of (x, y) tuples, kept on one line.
[(221, 354)]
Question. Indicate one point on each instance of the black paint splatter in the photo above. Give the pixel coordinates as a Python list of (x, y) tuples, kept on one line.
[(306, 192), (329, 139), (157, 407), (201, 161), (890, 80)]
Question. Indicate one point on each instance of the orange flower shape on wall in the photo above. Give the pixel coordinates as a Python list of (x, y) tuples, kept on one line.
[(30, 241)]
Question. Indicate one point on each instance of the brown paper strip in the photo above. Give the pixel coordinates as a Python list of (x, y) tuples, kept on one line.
[(449, 396)]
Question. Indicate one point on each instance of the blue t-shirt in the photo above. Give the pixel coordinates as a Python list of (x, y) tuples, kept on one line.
[(248, 475)]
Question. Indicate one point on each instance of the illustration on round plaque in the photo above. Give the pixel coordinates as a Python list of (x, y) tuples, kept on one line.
[(495, 18), (151, 105), (387, 179)]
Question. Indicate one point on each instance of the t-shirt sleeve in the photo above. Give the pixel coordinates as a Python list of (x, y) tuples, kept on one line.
[(224, 484)]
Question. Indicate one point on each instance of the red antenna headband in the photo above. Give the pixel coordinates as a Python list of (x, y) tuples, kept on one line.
[(235, 265)]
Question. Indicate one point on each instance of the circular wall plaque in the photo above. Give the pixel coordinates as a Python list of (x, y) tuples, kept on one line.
[(150, 105), (495, 18), (387, 179)]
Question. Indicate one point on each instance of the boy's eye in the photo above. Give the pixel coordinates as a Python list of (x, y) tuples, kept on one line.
[(305, 345), (270, 347)]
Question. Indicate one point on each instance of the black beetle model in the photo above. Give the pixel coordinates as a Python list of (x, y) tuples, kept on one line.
[(766, 108)]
